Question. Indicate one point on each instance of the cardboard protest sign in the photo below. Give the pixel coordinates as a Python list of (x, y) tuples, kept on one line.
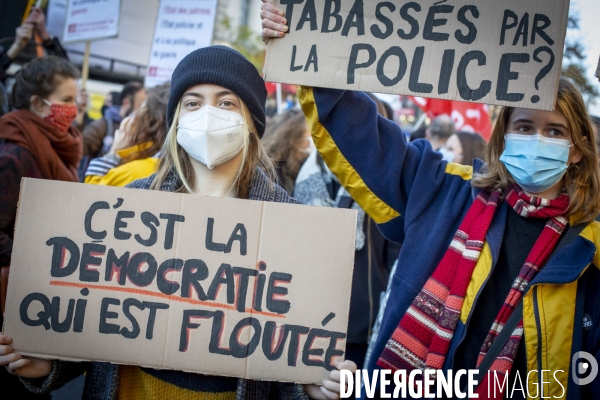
[(91, 20), (182, 26), (219, 286), (505, 52)]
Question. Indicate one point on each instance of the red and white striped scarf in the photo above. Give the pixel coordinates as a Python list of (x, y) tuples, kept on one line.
[(423, 336)]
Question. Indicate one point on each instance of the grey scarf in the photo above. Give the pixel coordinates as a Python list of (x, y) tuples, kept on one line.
[(313, 188)]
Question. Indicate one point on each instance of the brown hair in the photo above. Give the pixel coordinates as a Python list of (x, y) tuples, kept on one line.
[(174, 158), (473, 146), (281, 136), (130, 89), (582, 180), (40, 77), (150, 124)]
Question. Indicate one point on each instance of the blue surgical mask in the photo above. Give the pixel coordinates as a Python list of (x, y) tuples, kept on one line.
[(535, 162)]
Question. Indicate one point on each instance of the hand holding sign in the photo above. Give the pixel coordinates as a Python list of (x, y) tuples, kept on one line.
[(431, 48), (25, 367), (330, 390), (174, 281), (273, 21)]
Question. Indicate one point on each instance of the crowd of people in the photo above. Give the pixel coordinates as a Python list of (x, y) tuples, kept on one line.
[(455, 237)]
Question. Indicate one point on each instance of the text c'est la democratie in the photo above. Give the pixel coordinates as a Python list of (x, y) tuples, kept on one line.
[(524, 30), (142, 269)]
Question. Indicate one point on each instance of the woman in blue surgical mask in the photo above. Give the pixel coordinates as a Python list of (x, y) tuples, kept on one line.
[(216, 116), (499, 268), (544, 152)]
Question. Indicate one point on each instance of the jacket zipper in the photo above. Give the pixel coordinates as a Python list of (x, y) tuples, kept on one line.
[(538, 327), (370, 267)]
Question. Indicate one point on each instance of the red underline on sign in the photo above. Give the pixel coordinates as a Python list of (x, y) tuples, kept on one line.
[(162, 296)]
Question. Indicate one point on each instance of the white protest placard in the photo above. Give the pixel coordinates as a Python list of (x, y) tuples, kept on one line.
[(56, 14), (506, 52), (91, 20), (182, 26), (230, 287)]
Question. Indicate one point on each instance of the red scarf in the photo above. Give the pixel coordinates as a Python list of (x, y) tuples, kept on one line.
[(57, 153), (423, 336)]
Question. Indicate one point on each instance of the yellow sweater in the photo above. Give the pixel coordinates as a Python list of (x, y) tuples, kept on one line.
[(136, 384), (107, 172)]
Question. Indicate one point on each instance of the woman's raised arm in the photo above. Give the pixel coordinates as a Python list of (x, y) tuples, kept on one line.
[(368, 153)]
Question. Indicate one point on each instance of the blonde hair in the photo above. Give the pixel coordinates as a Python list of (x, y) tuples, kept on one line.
[(174, 158), (581, 181)]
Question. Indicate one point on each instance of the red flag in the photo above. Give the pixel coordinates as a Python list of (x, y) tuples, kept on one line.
[(469, 117), (285, 88)]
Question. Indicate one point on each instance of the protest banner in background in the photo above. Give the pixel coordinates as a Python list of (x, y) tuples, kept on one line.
[(468, 117), (505, 52), (56, 14), (182, 26), (222, 286), (91, 19)]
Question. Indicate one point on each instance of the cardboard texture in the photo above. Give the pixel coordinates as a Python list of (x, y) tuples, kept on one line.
[(495, 52), (254, 289)]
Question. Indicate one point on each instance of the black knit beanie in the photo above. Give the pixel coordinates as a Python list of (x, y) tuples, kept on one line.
[(223, 66)]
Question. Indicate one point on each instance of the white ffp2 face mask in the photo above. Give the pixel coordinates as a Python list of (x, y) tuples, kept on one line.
[(211, 136)]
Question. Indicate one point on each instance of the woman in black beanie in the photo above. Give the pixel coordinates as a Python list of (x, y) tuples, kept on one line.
[(216, 118)]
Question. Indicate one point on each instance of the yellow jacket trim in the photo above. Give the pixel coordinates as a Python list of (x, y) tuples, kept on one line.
[(464, 171), (560, 299), (592, 233), (530, 339), (480, 274), (346, 174), (556, 307)]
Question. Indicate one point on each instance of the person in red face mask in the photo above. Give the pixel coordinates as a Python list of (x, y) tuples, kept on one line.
[(44, 96), (36, 141)]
